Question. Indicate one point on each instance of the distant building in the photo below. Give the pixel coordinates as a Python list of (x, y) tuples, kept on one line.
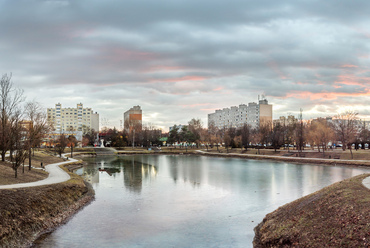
[(78, 119), (253, 114), (286, 121), (133, 119)]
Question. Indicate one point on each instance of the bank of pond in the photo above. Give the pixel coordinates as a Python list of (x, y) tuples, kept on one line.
[(186, 201)]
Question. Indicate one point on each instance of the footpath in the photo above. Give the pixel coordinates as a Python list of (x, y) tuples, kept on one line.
[(365, 182), (56, 175)]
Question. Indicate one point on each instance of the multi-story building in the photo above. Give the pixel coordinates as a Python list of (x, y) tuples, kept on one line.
[(133, 119), (286, 121), (78, 119), (253, 114)]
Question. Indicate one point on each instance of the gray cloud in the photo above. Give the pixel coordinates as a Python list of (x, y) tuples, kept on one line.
[(183, 59)]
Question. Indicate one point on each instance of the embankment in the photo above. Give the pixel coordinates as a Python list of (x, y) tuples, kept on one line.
[(27, 213), (336, 216)]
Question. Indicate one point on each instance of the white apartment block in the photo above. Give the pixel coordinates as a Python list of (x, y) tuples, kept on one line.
[(72, 119), (252, 114)]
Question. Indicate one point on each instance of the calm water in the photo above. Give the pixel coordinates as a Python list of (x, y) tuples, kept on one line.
[(185, 201)]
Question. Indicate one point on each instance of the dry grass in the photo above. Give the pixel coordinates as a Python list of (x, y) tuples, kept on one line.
[(7, 175), (336, 216), (28, 212)]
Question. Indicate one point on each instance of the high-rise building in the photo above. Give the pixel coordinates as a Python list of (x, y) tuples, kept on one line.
[(132, 119), (253, 114), (72, 119)]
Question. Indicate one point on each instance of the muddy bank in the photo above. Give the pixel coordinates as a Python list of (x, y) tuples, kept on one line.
[(336, 216), (27, 213)]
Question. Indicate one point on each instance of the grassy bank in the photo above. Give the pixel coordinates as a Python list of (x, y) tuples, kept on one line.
[(27, 213), (336, 216)]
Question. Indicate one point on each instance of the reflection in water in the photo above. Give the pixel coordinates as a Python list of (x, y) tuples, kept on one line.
[(133, 171), (185, 201)]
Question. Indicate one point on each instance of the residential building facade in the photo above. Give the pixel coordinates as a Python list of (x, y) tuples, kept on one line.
[(133, 119), (77, 119), (253, 114)]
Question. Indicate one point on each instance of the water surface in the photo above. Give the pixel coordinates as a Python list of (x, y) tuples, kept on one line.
[(185, 201)]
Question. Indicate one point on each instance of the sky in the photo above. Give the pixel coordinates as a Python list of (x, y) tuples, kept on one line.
[(183, 59)]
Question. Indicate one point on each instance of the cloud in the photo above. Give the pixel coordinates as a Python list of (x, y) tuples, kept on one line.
[(183, 59)]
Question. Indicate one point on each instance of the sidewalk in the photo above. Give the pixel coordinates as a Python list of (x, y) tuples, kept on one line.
[(56, 175)]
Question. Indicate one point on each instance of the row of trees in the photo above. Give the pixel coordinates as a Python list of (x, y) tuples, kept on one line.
[(343, 129), (22, 125), (145, 136)]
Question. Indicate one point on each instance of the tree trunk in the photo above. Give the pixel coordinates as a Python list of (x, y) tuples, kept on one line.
[(3, 155), (29, 158), (15, 171)]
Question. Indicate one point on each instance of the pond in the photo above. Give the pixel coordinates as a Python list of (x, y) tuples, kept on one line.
[(185, 201)]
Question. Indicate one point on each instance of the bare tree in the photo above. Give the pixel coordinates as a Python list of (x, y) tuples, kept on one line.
[(300, 132), (320, 132), (61, 144), (10, 98), (245, 133), (89, 137), (134, 130), (276, 136), (345, 128), (195, 126), (19, 151), (37, 126), (72, 143)]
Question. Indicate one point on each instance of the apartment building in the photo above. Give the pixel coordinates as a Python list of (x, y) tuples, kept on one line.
[(133, 119), (253, 114), (77, 119)]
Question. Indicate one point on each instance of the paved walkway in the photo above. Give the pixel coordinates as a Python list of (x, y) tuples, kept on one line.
[(366, 182), (56, 175)]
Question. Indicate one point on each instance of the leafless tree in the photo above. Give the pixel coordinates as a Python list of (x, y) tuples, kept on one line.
[(320, 132), (72, 142), (195, 126), (19, 151), (245, 133), (61, 144), (300, 132), (345, 128), (276, 136), (10, 98), (134, 130), (37, 126)]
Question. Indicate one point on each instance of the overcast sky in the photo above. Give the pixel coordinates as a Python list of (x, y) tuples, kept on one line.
[(183, 59)]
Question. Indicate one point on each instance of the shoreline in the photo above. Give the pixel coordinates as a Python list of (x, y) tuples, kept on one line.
[(56, 217), (28, 213)]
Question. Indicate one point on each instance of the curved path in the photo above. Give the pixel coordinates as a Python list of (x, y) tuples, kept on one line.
[(365, 182), (56, 175)]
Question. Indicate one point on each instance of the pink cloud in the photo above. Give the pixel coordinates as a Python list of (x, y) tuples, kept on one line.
[(324, 95), (349, 66), (164, 68), (180, 79), (218, 88)]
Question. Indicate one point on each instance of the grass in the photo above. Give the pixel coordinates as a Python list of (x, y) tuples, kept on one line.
[(26, 213), (7, 174), (336, 216)]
